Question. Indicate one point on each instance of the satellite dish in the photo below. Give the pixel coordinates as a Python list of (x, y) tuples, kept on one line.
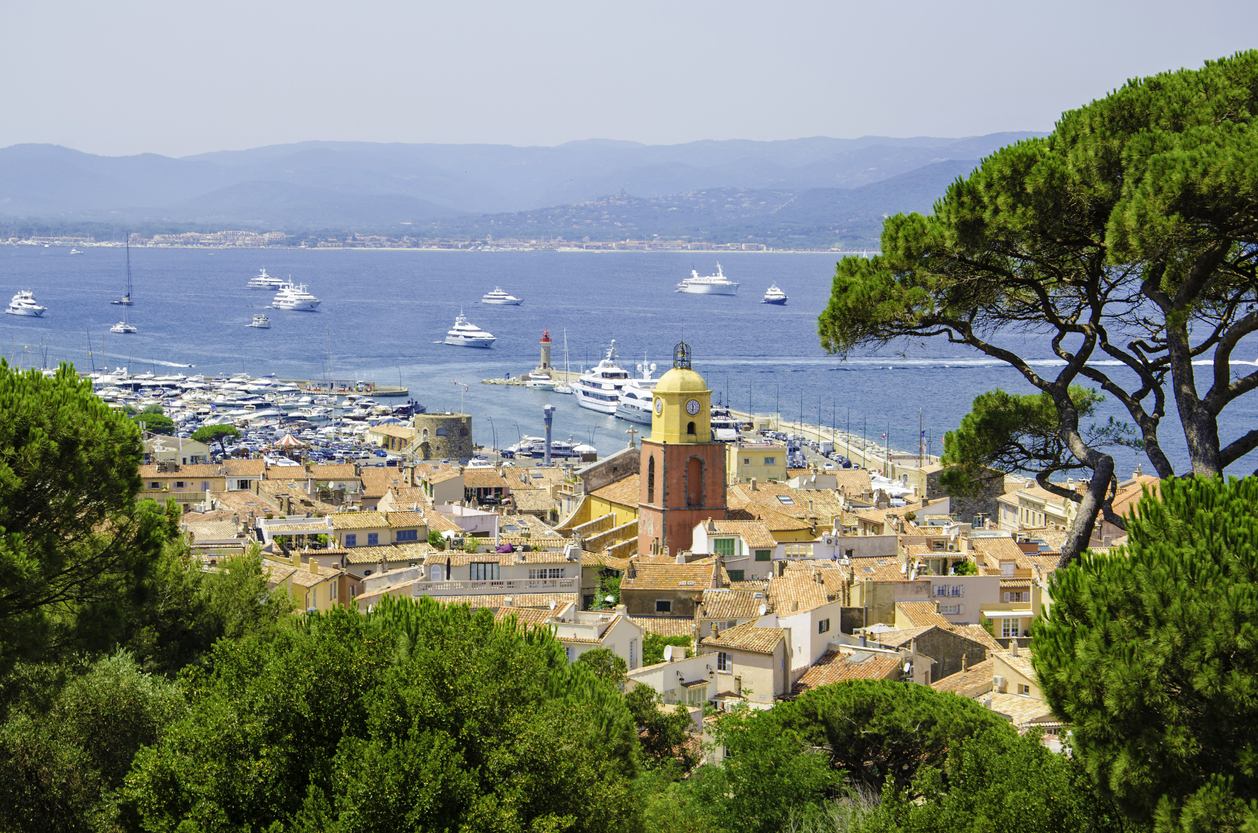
[(610, 599)]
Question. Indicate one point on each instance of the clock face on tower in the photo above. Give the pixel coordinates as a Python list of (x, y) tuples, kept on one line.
[(692, 407), (659, 406)]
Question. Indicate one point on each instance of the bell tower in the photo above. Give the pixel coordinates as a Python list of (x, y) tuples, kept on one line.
[(683, 467)]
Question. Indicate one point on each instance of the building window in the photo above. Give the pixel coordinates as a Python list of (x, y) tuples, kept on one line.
[(157, 485), (769, 461), (242, 484), (951, 610), (178, 484), (764, 555), (823, 626), (724, 661), (332, 591), (746, 461), (650, 480), (571, 652), (546, 573), (373, 539), (314, 597), (663, 606), (205, 485), (633, 654), (407, 535), (484, 571), (1010, 627), (1017, 596), (694, 481), (723, 546), (441, 432), (736, 575), (351, 539), (690, 427), (1007, 568), (1024, 689)]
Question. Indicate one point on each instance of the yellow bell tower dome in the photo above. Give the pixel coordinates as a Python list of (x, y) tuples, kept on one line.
[(682, 403)]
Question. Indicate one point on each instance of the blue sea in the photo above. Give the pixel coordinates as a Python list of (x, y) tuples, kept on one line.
[(384, 313)]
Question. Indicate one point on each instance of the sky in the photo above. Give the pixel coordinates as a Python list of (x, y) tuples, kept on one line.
[(138, 76)]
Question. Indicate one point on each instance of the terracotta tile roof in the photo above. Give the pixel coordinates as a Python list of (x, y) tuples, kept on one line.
[(533, 500), (1044, 565), (332, 471), (404, 519), (922, 614), (601, 558), (882, 568), (731, 604), (797, 591), (696, 576), (535, 477), (746, 637), (853, 481), (755, 533), (378, 480), (212, 530), (358, 520), (973, 682), (900, 638), (1128, 496), (979, 634), (1020, 663), (234, 467), (624, 492), (995, 550), (485, 479), (305, 578), (397, 554), (835, 667), (440, 476), (276, 574), (440, 523), (528, 617), (833, 575), (403, 431), (1022, 710), (755, 585), (665, 625)]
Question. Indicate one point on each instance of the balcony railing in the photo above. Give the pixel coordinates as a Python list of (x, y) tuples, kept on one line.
[(496, 587)]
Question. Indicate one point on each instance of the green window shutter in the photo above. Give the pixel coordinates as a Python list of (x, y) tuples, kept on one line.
[(764, 555), (735, 575), (723, 546)]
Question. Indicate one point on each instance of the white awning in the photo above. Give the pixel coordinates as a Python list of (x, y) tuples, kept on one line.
[(1008, 614)]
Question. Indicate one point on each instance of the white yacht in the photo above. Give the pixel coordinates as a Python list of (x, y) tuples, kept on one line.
[(716, 284), (466, 334), (260, 321), (539, 379), (636, 399), (773, 295), (500, 296), (599, 387), (295, 297), (264, 281), (23, 303), (75, 251), (123, 327)]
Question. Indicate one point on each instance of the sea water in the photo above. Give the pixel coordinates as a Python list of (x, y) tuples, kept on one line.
[(385, 312)]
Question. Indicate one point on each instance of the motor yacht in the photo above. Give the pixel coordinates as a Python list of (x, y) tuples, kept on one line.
[(500, 296), (264, 281), (293, 296), (716, 284), (637, 398), (123, 327), (598, 389), (773, 295), (466, 334), (260, 321), (23, 303)]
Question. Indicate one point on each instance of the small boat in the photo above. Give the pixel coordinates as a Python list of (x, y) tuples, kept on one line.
[(123, 327), (774, 296), (23, 303), (264, 281), (293, 296), (500, 296), (74, 251), (716, 284), (466, 334), (260, 321)]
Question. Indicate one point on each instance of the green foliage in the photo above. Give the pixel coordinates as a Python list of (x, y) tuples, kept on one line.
[(882, 732), (471, 544), (653, 646), (965, 568), (607, 595), (155, 421), (1152, 654), (1126, 237), (1008, 432), (605, 665), (664, 734), (76, 551), (415, 716), (62, 767), (209, 434), (435, 540), (1010, 784)]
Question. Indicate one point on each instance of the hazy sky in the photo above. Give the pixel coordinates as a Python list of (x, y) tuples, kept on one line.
[(183, 78)]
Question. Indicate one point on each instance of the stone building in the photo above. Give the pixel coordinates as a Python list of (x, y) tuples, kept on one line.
[(442, 437)]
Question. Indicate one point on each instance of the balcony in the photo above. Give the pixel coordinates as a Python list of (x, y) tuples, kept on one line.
[(501, 587)]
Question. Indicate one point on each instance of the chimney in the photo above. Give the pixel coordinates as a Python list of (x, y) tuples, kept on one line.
[(314, 566), (680, 558), (753, 484)]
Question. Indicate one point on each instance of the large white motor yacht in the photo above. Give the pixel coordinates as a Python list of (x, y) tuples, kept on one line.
[(773, 295), (637, 398), (466, 334), (23, 303), (500, 296), (294, 296), (264, 281), (599, 387), (716, 284)]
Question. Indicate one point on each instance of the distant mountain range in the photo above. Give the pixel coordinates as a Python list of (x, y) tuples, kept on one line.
[(811, 191)]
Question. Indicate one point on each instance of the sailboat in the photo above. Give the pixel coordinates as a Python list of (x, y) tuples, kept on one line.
[(125, 300), (563, 386)]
